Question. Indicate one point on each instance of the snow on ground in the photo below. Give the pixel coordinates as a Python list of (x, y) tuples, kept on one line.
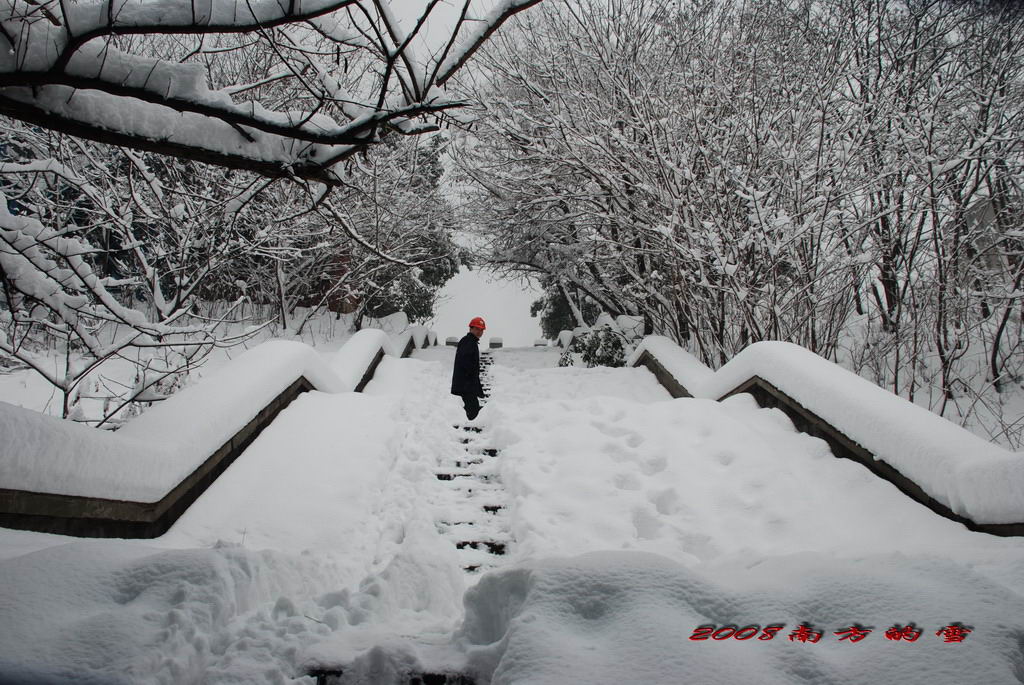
[(620, 617), (635, 518), (692, 479)]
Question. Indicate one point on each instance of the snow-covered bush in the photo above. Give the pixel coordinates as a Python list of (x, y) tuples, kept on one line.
[(600, 346)]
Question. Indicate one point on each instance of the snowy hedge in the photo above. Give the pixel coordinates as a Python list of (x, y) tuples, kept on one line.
[(971, 476), (154, 452)]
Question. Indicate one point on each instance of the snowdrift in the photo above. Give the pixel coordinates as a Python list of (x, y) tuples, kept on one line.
[(628, 617)]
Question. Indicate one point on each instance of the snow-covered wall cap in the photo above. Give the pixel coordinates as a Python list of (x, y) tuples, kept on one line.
[(41, 453), (419, 335), (201, 418), (971, 476), (358, 352), (399, 342), (689, 371), (154, 452)]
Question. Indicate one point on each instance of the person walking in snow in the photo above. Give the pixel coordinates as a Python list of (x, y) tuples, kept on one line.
[(466, 374)]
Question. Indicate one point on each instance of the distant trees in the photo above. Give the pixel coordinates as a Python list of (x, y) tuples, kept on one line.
[(558, 313), (844, 175)]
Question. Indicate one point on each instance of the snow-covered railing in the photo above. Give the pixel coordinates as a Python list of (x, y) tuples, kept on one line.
[(948, 469), (58, 476), (941, 465), (414, 338)]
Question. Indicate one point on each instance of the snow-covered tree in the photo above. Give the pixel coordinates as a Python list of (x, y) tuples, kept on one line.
[(163, 214), (844, 175), (327, 75)]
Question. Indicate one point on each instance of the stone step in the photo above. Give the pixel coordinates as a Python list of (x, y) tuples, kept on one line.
[(334, 676), (495, 547), (452, 475)]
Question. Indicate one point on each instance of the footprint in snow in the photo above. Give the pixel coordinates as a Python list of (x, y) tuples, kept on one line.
[(627, 481), (635, 440), (725, 457), (653, 466), (665, 502), (611, 431), (646, 524), (615, 451)]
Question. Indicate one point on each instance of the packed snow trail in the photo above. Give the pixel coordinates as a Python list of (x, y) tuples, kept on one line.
[(471, 504), (333, 542)]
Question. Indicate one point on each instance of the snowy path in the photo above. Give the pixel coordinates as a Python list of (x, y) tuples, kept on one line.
[(363, 529), (472, 505)]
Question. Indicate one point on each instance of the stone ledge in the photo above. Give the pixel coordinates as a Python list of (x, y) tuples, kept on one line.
[(95, 517), (106, 518), (843, 446), (806, 421)]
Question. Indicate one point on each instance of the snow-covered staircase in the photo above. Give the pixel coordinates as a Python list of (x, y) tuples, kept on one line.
[(471, 509), (473, 504)]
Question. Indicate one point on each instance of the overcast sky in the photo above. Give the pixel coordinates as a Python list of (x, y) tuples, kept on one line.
[(504, 305), (442, 17)]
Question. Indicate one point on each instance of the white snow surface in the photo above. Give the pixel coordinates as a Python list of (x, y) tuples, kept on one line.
[(626, 617), (356, 355), (691, 372), (633, 519), (152, 453), (41, 453), (971, 476)]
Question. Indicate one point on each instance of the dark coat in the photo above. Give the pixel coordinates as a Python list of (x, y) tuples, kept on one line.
[(466, 374)]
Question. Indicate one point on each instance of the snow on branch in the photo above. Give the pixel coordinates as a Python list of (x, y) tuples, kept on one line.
[(75, 68)]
